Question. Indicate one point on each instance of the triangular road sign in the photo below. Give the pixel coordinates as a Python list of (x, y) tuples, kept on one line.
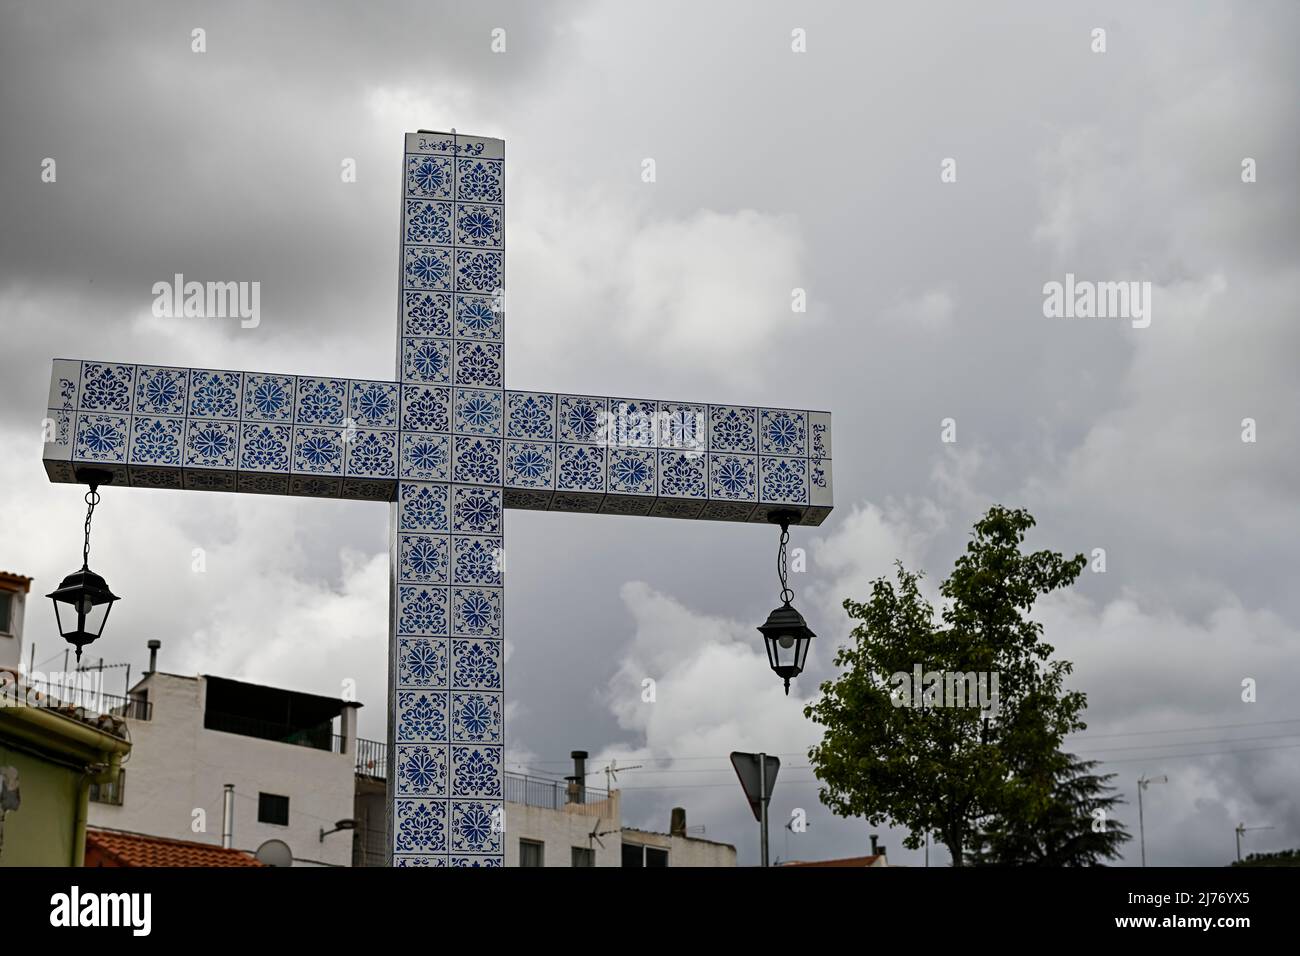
[(747, 770)]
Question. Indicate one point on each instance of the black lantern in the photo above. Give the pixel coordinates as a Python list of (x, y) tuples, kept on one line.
[(785, 632), (83, 596)]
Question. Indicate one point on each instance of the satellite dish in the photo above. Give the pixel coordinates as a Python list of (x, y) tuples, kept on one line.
[(275, 853)]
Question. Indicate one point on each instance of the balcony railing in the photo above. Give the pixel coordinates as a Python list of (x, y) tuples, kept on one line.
[(61, 695), (372, 759), (546, 793)]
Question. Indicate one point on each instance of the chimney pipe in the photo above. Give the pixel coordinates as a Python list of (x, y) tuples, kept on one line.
[(579, 790), (677, 827), (228, 817), (153, 646), (876, 848)]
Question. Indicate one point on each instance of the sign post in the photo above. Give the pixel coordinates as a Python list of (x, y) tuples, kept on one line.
[(757, 773)]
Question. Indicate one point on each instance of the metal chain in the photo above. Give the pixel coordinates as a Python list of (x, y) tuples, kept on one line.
[(92, 499), (786, 594)]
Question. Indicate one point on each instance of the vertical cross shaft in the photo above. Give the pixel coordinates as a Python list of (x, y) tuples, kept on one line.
[(446, 723)]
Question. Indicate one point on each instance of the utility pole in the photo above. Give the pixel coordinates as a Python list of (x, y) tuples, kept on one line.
[(1242, 828), (1143, 783), (762, 798)]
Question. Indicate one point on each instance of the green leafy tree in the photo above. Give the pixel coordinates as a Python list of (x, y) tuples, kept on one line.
[(944, 769), (1076, 828)]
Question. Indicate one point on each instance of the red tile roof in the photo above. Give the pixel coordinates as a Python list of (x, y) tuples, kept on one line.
[(116, 848), (846, 861), (16, 580)]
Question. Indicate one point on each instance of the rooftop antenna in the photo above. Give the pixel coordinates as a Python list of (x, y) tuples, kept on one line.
[(611, 773), (1242, 828)]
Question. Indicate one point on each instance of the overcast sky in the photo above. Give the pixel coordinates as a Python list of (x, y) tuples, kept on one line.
[(775, 170)]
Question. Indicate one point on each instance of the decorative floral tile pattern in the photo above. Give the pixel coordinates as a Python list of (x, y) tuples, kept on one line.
[(477, 460), (819, 435), (530, 416), (783, 432), (633, 424), (478, 411), (476, 511), (318, 451), (683, 426), (422, 661), (419, 826), (426, 314), (422, 716), (733, 428), (106, 387), (214, 394), (476, 771), (424, 558), (530, 464), (425, 457), (157, 441), (428, 222), (583, 419), (478, 225), (476, 612), (428, 267), (422, 770), (478, 363), (429, 177), (580, 468), (475, 664), (211, 444), (475, 717), (632, 471), (427, 360), (477, 827), (681, 474), (478, 317), (161, 391), (733, 477), (426, 408), (479, 270), (477, 561), (268, 398), (422, 610), (784, 480), (426, 508), (321, 401), (373, 404), (480, 180), (371, 454)]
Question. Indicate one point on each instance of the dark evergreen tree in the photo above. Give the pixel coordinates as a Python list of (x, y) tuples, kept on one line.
[(1076, 827)]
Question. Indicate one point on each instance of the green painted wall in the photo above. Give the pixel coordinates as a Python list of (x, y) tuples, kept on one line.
[(40, 832)]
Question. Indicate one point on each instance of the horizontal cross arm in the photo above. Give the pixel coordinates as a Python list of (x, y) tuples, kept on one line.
[(665, 458), (217, 430)]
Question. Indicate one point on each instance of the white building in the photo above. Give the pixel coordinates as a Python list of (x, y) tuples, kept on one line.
[(13, 597), (549, 823), (289, 755)]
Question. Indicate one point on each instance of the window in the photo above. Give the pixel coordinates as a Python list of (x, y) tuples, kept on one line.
[(110, 793), (636, 855), (530, 853), (272, 808), (6, 612), (584, 856)]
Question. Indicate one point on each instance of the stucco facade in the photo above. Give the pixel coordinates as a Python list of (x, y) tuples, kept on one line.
[(174, 781)]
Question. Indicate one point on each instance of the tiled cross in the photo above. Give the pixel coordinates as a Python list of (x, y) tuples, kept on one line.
[(450, 448)]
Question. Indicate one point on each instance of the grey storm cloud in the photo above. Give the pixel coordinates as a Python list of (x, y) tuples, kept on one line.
[(775, 171)]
